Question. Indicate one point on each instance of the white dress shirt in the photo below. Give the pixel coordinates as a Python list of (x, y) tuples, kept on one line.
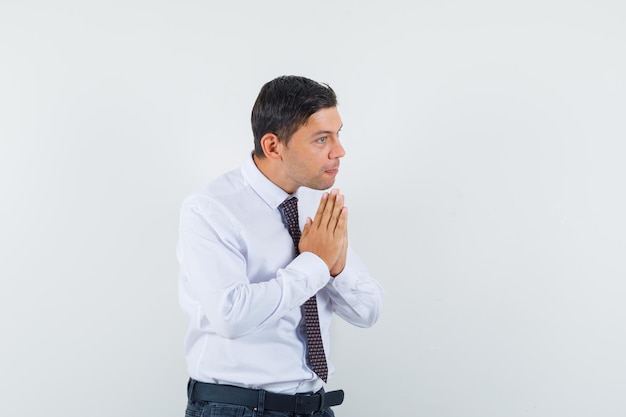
[(242, 289)]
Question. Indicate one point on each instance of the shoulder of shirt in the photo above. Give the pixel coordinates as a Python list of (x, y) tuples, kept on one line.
[(222, 188)]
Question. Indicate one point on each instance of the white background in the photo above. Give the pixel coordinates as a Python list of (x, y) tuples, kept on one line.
[(484, 173)]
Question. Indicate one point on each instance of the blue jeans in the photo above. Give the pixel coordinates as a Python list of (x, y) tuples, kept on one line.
[(211, 409)]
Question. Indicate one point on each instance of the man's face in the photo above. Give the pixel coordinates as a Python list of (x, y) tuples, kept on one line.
[(311, 159)]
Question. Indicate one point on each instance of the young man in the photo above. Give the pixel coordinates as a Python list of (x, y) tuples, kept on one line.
[(262, 272)]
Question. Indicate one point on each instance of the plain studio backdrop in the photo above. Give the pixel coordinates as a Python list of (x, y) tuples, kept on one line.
[(484, 174)]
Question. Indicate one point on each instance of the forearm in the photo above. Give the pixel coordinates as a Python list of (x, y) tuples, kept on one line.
[(241, 307), (220, 295)]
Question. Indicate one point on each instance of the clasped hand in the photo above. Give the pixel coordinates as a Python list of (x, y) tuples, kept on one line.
[(327, 234)]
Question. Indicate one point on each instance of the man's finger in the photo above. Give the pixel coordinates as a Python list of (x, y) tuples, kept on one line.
[(327, 216), (336, 211), (317, 221), (342, 222)]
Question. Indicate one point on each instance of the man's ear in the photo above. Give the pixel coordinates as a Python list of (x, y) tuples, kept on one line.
[(272, 146)]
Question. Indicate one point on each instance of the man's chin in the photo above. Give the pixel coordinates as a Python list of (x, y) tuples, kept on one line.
[(321, 186)]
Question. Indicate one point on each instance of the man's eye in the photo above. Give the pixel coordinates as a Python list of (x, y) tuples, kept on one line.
[(322, 140)]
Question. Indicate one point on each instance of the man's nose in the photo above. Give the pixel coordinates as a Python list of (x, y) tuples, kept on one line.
[(337, 151)]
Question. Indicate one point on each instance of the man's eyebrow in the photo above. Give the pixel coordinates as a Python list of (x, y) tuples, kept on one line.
[(326, 132)]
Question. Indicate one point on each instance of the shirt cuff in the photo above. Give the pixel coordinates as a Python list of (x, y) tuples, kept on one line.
[(314, 268)]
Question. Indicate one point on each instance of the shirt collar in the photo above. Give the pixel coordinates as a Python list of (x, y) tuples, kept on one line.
[(269, 192)]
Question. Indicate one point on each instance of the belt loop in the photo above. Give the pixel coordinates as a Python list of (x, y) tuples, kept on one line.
[(322, 397), (190, 385), (261, 403)]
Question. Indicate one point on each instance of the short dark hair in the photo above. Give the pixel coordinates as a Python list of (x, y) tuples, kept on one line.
[(286, 103)]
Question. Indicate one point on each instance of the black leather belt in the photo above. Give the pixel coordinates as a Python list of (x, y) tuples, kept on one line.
[(261, 399)]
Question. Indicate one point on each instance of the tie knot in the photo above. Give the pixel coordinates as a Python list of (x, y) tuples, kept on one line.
[(290, 209), (291, 202)]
